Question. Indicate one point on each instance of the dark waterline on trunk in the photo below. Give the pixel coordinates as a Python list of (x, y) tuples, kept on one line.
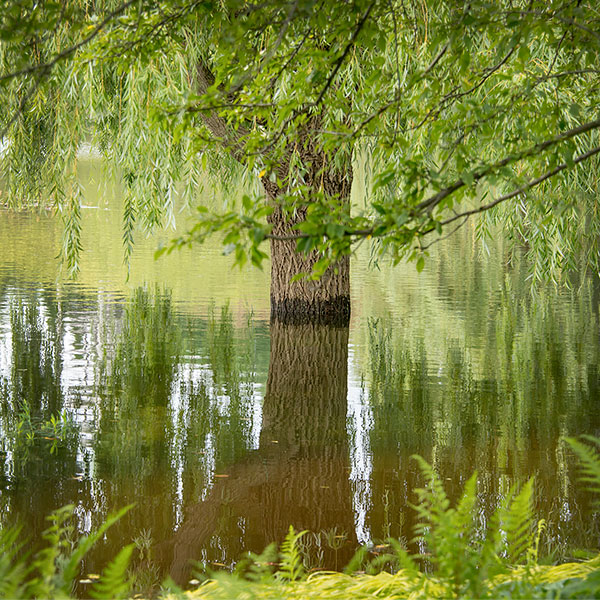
[(296, 311)]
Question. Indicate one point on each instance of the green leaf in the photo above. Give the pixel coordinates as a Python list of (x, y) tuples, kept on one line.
[(114, 582), (334, 230), (247, 203), (468, 177)]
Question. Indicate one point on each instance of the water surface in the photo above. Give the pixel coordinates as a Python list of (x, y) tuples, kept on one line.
[(172, 391)]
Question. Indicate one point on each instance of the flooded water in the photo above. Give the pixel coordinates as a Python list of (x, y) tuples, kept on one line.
[(172, 391)]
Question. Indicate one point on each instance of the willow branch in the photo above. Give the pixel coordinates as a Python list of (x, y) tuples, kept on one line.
[(434, 200), (524, 188), (45, 68), (344, 54), (367, 232)]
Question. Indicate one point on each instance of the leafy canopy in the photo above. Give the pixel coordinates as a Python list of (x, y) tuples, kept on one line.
[(453, 109)]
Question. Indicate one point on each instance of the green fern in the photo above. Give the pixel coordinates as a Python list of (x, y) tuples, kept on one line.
[(589, 460), (114, 582), (259, 567), (13, 570), (49, 581), (449, 533), (51, 572), (71, 568), (519, 525), (291, 568)]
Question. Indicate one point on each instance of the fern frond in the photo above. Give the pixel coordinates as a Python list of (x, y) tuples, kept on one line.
[(492, 552), (291, 559), (436, 493), (71, 569), (466, 506), (589, 461), (403, 558), (433, 503), (46, 560), (13, 570), (519, 524), (258, 567), (114, 582), (357, 561)]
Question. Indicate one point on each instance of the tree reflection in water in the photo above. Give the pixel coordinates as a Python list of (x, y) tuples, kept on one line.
[(299, 475), (169, 411)]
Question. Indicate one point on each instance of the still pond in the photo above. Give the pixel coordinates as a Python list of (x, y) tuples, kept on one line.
[(169, 389)]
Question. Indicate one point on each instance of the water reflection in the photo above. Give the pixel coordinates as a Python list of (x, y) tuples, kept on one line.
[(39, 437), (225, 429), (502, 412), (299, 473)]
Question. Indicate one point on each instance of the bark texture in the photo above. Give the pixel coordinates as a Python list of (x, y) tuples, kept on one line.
[(326, 301)]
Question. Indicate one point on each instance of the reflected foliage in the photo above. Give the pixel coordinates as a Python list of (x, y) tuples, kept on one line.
[(298, 474), (225, 429), (39, 437), (147, 350), (501, 408)]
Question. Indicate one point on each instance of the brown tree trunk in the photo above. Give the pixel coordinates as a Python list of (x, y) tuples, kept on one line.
[(327, 300)]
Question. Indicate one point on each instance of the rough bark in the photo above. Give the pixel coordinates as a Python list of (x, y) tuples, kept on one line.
[(326, 301)]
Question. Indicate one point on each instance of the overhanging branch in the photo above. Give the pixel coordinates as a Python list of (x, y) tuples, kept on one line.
[(524, 188), (368, 232), (433, 201)]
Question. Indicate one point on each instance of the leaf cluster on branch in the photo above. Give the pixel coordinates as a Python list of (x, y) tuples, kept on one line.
[(450, 109)]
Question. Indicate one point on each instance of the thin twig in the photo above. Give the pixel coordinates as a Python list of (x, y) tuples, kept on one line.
[(344, 54)]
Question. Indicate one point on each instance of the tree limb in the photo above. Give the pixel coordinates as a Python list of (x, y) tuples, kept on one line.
[(524, 188), (434, 200)]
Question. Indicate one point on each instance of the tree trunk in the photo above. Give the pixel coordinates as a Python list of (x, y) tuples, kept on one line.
[(327, 300)]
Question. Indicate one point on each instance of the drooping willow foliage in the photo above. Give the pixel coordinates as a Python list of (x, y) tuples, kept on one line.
[(453, 108)]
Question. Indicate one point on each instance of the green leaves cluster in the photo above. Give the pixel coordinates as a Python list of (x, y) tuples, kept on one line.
[(452, 109), (243, 232)]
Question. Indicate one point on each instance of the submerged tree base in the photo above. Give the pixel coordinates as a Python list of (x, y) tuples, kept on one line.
[(297, 311)]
